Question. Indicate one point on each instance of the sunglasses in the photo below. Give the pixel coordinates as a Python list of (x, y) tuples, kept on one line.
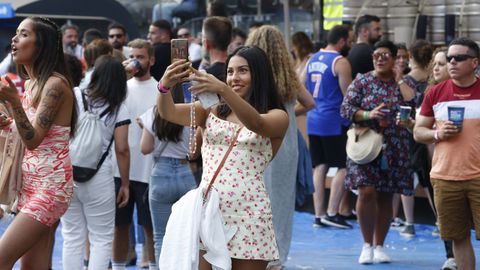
[(115, 35), (384, 56), (459, 57)]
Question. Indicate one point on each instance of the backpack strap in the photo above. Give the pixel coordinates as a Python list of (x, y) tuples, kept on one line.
[(105, 112), (84, 101), (104, 156), (85, 106)]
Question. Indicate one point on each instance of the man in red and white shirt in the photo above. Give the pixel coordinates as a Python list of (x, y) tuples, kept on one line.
[(455, 170)]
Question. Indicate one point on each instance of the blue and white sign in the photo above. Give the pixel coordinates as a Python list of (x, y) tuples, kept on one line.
[(6, 11)]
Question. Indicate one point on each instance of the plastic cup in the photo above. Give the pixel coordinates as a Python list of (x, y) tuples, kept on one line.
[(405, 113), (456, 115), (133, 66), (385, 121)]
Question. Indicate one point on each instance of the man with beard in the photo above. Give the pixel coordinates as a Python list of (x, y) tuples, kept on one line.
[(117, 36), (328, 77), (70, 34), (141, 96), (159, 35), (368, 31), (450, 119)]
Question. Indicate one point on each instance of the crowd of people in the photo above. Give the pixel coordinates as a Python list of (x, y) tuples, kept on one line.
[(159, 141)]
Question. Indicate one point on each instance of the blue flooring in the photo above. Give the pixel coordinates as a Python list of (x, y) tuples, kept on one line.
[(329, 248)]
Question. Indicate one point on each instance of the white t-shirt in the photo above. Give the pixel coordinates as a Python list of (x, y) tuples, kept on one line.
[(173, 150), (141, 96), (111, 122), (86, 79)]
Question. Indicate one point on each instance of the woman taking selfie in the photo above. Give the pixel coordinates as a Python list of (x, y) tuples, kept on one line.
[(251, 106)]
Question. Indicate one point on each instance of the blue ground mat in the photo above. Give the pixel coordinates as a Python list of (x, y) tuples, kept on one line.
[(330, 248)]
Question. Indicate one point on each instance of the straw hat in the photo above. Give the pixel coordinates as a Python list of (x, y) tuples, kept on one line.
[(363, 145)]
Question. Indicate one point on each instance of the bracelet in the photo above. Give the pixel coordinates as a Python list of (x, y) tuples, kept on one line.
[(435, 135), (162, 89), (365, 115), (400, 82)]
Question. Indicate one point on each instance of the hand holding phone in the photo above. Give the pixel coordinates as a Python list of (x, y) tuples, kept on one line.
[(207, 99)]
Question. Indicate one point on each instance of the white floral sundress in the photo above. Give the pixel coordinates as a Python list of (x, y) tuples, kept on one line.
[(244, 201)]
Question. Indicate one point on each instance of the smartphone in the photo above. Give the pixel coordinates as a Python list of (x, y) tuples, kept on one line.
[(207, 99), (179, 49)]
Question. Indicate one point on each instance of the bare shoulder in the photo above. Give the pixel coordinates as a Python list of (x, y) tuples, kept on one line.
[(279, 112), (57, 87), (57, 83), (342, 62), (279, 117)]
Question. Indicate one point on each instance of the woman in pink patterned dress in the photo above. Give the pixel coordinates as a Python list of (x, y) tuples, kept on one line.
[(249, 100), (44, 119)]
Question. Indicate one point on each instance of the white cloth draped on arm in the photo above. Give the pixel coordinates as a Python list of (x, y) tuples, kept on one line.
[(190, 222)]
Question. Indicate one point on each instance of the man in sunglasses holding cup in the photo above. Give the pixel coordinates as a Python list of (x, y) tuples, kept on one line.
[(450, 118)]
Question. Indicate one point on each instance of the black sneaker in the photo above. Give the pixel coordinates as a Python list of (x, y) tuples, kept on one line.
[(317, 223), (336, 221), (352, 216)]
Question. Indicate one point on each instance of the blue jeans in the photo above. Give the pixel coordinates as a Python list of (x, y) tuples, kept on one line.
[(171, 179)]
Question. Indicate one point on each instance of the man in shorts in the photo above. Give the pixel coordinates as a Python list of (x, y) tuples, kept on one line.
[(328, 77), (141, 96), (455, 173)]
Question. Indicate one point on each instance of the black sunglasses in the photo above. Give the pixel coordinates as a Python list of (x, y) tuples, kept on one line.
[(459, 57)]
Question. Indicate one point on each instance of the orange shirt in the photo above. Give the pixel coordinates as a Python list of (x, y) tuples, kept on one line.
[(457, 158)]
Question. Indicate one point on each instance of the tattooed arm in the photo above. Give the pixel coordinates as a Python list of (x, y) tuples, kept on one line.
[(33, 133)]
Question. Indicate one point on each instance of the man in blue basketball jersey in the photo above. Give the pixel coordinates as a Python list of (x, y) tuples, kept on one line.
[(328, 77)]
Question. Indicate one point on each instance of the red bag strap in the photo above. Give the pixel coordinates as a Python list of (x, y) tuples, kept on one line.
[(221, 164)]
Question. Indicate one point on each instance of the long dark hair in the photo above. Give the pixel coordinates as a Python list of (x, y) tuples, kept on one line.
[(263, 94), (48, 59), (168, 131), (108, 84)]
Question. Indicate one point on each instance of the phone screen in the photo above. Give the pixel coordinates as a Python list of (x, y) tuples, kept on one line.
[(179, 49)]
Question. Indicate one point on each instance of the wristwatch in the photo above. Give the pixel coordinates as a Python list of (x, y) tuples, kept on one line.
[(400, 82)]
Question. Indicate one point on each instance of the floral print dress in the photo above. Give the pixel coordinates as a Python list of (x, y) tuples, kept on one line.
[(46, 173), (244, 201), (391, 172)]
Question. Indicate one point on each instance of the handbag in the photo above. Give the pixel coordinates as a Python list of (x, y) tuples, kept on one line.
[(11, 158), (363, 144)]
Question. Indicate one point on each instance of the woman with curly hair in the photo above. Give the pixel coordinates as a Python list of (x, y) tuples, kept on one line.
[(280, 176)]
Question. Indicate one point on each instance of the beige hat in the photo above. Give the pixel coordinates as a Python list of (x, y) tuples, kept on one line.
[(363, 144)]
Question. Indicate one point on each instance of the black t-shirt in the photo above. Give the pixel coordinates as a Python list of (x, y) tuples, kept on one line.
[(217, 69), (360, 57), (162, 60)]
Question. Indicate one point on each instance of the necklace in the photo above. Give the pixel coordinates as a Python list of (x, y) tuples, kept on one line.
[(192, 140)]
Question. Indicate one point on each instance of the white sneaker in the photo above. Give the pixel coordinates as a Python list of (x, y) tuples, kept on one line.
[(449, 264), (366, 257), (379, 255)]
